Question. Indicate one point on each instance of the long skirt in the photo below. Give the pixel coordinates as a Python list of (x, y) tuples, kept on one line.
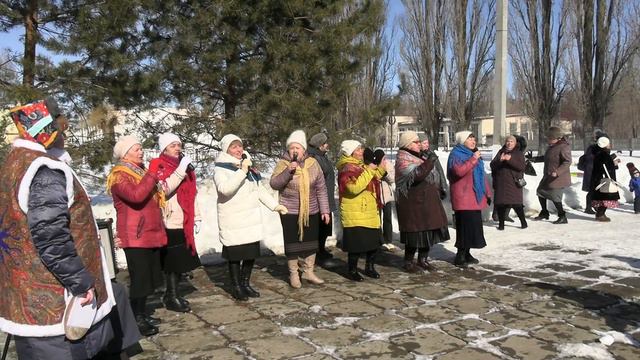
[(176, 256), (113, 334), (425, 239), (241, 252), (469, 232), (554, 195), (360, 239), (293, 245), (145, 272)]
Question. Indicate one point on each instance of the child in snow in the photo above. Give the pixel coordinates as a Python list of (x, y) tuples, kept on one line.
[(634, 186)]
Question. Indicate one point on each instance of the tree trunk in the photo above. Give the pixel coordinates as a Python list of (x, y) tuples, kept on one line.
[(30, 41)]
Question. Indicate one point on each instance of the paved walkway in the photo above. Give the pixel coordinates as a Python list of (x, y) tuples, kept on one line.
[(485, 312)]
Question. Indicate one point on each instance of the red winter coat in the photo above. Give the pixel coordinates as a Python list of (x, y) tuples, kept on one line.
[(139, 216), (461, 182)]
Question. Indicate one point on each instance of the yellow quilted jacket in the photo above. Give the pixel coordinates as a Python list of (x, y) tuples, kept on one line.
[(358, 205)]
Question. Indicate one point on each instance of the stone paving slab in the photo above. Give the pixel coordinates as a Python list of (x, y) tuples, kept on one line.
[(483, 312)]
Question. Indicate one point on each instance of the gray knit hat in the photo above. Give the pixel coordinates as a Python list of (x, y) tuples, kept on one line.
[(554, 132), (318, 140)]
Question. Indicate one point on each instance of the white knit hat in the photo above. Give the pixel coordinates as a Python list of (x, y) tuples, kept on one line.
[(299, 137), (349, 146), (226, 141), (603, 142), (462, 136), (123, 145), (166, 139), (407, 138)]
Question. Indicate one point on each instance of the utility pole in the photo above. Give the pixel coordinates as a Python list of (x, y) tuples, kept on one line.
[(500, 80)]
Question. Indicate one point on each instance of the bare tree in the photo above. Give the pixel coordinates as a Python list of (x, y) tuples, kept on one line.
[(472, 41), (537, 48), (423, 50), (607, 37)]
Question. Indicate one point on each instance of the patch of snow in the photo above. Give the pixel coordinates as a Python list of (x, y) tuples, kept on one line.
[(592, 351)]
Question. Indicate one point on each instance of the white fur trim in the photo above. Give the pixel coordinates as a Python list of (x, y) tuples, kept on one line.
[(22, 143), (25, 183)]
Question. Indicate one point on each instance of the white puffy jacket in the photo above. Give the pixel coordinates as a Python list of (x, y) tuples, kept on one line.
[(239, 215)]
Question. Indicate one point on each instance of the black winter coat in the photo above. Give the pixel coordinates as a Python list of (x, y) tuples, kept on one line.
[(329, 174), (504, 174), (601, 159)]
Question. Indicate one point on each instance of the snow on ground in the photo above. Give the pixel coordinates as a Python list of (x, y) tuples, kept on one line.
[(607, 246)]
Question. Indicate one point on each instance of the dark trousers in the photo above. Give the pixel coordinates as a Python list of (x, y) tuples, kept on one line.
[(636, 204), (387, 224)]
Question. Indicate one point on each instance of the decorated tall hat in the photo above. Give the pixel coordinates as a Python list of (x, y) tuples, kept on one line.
[(38, 121)]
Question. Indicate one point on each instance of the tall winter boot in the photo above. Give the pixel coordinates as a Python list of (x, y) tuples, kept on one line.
[(245, 283), (460, 260), (562, 216), (307, 272), (170, 298), (352, 263), (138, 305), (237, 291), (523, 220), (502, 212), (294, 276), (369, 269)]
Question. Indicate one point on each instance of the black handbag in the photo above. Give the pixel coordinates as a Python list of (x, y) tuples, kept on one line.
[(528, 169), (520, 182)]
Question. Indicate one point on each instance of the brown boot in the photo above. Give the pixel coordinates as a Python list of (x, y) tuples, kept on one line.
[(308, 273), (294, 277), (410, 267)]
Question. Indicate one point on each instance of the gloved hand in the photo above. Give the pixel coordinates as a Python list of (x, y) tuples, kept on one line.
[(368, 157), (488, 201), (197, 226), (281, 209), (433, 156), (245, 165), (184, 162), (528, 155), (377, 156)]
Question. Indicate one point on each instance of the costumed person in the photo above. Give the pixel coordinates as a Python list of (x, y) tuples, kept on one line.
[(318, 149), (240, 220), (360, 201), (181, 216), (465, 171), (557, 160), (138, 197), (421, 216), (603, 166), (51, 258), (300, 181), (634, 186), (507, 170)]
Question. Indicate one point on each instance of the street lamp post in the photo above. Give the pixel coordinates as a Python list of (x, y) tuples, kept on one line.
[(391, 121)]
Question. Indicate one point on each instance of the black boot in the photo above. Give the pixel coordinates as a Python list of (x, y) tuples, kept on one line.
[(237, 291), (422, 263), (353, 268), (247, 267), (544, 215), (562, 219), (470, 259), (502, 212), (138, 305), (460, 260), (523, 220), (170, 298), (369, 270)]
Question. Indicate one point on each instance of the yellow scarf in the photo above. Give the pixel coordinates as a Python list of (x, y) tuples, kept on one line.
[(137, 174), (303, 190)]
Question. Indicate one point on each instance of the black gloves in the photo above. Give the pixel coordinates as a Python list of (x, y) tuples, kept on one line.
[(528, 155), (368, 156), (377, 156), (488, 201)]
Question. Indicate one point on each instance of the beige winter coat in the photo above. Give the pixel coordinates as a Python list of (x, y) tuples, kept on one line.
[(172, 214)]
